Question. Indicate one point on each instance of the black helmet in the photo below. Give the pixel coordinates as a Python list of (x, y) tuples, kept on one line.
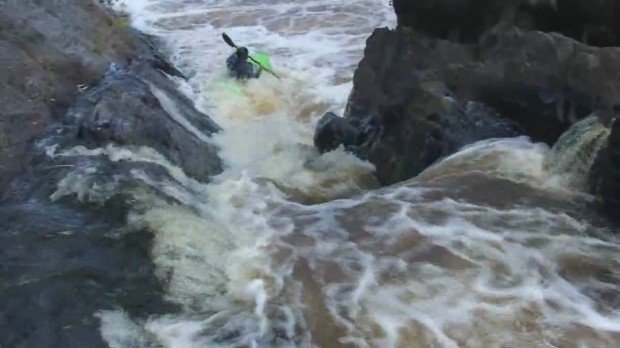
[(242, 52)]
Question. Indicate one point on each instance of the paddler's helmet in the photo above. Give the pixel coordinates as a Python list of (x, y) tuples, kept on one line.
[(242, 53)]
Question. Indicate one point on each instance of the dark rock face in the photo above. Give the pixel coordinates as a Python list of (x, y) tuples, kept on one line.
[(457, 20), (333, 131), (59, 266), (591, 22), (47, 49), (140, 107), (545, 82), (71, 75), (51, 50), (491, 53), (605, 174), (412, 133)]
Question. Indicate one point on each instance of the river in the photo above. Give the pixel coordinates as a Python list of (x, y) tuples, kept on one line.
[(492, 247)]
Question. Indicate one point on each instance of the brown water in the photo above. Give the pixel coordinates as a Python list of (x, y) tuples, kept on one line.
[(492, 247)]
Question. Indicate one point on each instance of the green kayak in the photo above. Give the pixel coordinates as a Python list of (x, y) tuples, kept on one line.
[(263, 59), (234, 87)]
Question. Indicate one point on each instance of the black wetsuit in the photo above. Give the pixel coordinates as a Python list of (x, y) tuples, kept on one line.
[(240, 68)]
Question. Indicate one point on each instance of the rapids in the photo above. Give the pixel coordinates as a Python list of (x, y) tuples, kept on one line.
[(491, 247)]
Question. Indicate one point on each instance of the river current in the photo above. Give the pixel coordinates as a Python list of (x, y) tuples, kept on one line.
[(491, 247)]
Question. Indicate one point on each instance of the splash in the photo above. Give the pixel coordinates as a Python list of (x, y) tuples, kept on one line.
[(563, 168), (517, 159), (574, 153), (288, 248)]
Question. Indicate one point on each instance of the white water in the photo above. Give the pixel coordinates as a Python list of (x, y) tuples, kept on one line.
[(475, 252)]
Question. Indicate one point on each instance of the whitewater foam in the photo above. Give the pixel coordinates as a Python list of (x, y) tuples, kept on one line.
[(475, 252)]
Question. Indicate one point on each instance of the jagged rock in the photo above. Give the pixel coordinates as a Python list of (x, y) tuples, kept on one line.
[(333, 131), (47, 49), (427, 123), (592, 22), (60, 266), (541, 65), (63, 260), (458, 20), (541, 82), (140, 107), (605, 173)]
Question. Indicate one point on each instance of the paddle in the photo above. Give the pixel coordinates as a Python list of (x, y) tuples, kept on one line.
[(230, 43)]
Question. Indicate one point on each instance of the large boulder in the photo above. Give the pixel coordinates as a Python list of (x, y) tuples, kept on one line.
[(67, 252), (497, 68), (457, 71), (541, 82), (593, 22), (544, 82), (406, 135), (457, 20), (140, 107), (605, 173), (47, 50), (333, 131)]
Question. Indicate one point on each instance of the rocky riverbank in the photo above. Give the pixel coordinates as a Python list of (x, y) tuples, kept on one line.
[(102, 162), (453, 73), (74, 79)]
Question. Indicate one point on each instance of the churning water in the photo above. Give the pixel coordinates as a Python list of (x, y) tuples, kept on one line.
[(288, 248)]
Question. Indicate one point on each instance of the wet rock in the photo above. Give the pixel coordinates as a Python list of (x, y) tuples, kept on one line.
[(458, 20), (47, 50), (333, 131), (427, 123), (544, 82), (541, 65), (66, 250), (139, 106), (60, 266), (605, 173), (592, 22), (541, 82)]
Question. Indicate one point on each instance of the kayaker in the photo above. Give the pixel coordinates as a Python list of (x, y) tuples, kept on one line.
[(239, 67)]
